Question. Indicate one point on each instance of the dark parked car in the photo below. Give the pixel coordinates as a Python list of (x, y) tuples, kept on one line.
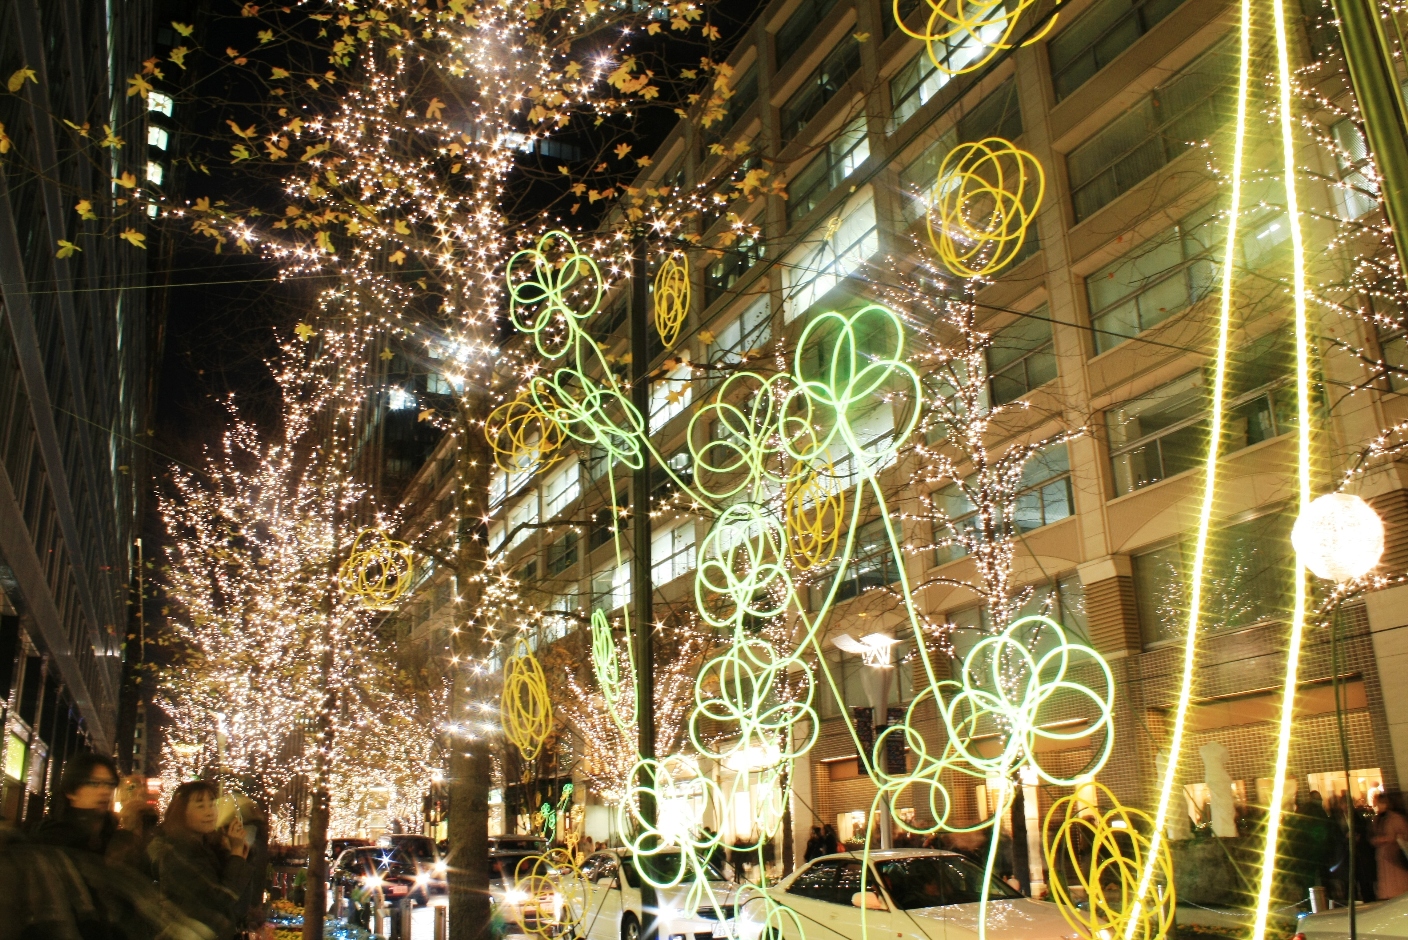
[(372, 876)]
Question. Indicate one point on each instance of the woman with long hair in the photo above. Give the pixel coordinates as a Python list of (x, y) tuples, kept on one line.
[(201, 865)]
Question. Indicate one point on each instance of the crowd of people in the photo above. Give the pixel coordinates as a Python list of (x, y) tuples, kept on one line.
[(92, 872)]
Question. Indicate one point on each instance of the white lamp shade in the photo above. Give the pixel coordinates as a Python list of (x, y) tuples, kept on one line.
[(1339, 537)]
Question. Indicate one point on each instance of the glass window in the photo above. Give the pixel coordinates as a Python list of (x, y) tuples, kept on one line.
[(814, 269), (611, 587), (598, 461), (746, 332), (1161, 277), (561, 488), (1159, 127), (819, 88), (840, 158), (159, 102), (799, 26), (1020, 357), (561, 619), (817, 882), (523, 517), (1045, 496), (1096, 37), (670, 396), (745, 92), (913, 87), (1247, 578), (873, 562), (672, 553), (725, 272), (562, 554), (158, 137), (934, 881), (607, 521), (1165, 432), (1356, 192), (997, 115)]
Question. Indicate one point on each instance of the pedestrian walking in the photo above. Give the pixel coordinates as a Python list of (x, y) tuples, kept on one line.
[(830, 844), (201, 866), (813, 849), (1390, 834)]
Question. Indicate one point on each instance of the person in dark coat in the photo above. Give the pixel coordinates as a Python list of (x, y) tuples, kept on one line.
[(66, 875), (813, 845), (200, 866)]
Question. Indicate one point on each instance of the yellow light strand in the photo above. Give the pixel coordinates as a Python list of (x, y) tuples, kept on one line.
[(378, 570), (1219, 388), (672, 295), (524, 703), (983, 206), (1106, 851), (1288, 689)]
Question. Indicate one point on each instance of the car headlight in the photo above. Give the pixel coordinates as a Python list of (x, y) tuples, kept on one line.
[(372, 881), (514, 896), (439, 869), (422, 880)]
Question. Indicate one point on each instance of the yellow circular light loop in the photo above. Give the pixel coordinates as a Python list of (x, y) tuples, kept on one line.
[(525, 437), (524, 705), (553, 893), (814, 505), (1106, 853), (964, 35), (378, 570), (672, 293), (987, 195)]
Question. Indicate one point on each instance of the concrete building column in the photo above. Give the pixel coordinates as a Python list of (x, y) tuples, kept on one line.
[(803, 802), (1388, 629)]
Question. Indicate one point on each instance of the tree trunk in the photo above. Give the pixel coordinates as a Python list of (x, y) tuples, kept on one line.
[(315, 899), (470, 770)]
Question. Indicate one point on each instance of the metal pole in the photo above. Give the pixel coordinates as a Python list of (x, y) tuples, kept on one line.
[(1369, 58), (442, 922), (642, 613)]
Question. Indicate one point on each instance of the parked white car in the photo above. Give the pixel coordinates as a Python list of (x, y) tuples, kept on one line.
[(1379, 919), (613, 902), (910, 894)]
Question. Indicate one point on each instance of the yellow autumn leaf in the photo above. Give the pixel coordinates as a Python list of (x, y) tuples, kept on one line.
[(706, 336), (401, 227), (325, 242), (110, 139), (137, 85), (246, 133), (85, 210), (134, 238), (622, 150), (861, 37), (304, 331), (16, 81), (66, 249), (183, 29), (265, 35), (276, 72), (397, 257), (126, 181), (240, 152), (434, 109), (4, 140)]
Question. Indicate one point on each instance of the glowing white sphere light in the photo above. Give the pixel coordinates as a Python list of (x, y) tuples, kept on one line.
[(1339, 537)]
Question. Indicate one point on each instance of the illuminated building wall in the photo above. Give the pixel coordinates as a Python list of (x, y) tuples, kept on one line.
[(75, 384)]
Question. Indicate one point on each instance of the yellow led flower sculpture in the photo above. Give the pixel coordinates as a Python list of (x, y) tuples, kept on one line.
[(965, 35), (987, 195), (378, 570), (672, 293), (1104, 853), (524, 704)]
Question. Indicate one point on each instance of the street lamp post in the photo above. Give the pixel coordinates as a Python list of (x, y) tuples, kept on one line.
[(877, 653)]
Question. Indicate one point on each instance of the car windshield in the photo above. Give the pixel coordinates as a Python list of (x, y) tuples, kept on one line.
[(420, 850), (665, 867), (502, 867), (935, 880), (382, 859)]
